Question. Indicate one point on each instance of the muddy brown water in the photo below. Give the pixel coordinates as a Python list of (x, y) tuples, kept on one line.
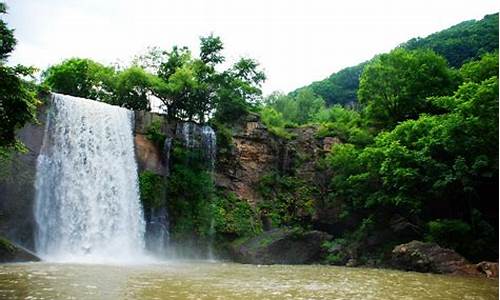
[(205, 280)]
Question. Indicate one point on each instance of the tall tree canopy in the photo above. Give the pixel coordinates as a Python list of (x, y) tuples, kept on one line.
[(394, 87), (81, 77), (190, 88), (17, 100), (437, 169)]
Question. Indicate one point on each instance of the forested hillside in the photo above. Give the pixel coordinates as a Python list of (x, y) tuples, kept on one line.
[(458, 44)]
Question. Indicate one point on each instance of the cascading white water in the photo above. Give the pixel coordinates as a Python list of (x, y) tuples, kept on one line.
[(203, 138), (209, 144), (87, 201)]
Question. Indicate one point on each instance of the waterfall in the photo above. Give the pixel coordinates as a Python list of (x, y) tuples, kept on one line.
[(201, 138), (209, 145), (87, 201)]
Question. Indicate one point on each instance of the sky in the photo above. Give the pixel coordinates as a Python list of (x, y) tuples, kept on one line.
[(296, 42)]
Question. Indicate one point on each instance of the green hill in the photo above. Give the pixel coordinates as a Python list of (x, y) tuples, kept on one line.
[(458, 44)]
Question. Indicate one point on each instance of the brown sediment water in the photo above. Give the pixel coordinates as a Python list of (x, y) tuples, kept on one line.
[(205, 280)]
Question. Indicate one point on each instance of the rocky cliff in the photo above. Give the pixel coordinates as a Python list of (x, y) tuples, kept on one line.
[(17, 185)]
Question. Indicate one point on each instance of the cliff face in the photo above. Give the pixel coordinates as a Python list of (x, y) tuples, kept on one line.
[(149, 155), (17, 185), (255, 152)]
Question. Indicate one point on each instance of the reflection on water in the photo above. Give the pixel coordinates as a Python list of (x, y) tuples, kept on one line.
[(202, 280)]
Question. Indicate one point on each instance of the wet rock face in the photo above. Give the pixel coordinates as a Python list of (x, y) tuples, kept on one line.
[(17, 188), (148, 155), (282, 246), (430, 257), (13, 253)]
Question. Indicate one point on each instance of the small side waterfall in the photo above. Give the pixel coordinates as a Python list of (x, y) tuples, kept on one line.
[(209, 145), (87, 201), (203, 139)]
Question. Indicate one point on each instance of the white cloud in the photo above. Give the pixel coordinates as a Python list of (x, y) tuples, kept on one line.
[(296, 41)]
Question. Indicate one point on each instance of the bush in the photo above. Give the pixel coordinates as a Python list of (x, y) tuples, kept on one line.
[(448, 233), (234, 216), (154, 133), (288, 200), (190, 192), (152, 189)]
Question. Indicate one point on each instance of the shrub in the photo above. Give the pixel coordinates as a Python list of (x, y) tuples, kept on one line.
[(154, 133), (152, 189)]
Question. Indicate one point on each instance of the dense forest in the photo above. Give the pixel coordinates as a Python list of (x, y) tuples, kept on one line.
[(420, 146), (418, 128)]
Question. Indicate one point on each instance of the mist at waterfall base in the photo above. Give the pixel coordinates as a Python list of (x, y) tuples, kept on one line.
[(87, 206)]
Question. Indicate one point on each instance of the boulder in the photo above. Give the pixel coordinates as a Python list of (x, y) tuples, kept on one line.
[(281, 246), (490, 269), (430, 257), (10, 252)]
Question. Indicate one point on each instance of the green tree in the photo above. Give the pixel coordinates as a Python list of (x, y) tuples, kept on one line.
[(132, 89), (395, 86), (308, 106), (239, 90), (81, 77), (458, 44), (299, 109), (479, 70), (435, 167), (17, 99)]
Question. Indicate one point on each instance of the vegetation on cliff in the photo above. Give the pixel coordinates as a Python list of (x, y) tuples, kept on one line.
[(421, 153)]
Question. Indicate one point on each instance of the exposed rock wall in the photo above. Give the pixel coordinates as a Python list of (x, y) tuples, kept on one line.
[(149, 155), (255, 152), (17, 185)]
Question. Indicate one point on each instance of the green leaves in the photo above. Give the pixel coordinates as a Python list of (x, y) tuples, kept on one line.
[(17, 97), (81, 77), (132, 89), (434, 166), (152, 189), (395, 86)]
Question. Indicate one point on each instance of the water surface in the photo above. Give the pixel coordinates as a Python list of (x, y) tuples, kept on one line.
[(204, 280)]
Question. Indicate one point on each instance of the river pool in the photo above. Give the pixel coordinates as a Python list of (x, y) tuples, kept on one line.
[(206, 280)]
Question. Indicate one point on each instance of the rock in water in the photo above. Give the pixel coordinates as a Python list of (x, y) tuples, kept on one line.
[(282, 246), (490, 269), (430, 257), (10, 252)]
